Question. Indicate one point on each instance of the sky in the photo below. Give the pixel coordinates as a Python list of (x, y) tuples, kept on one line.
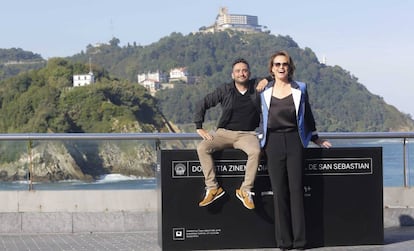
[(371, 39)]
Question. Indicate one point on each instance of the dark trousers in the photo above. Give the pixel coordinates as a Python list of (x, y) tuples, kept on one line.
[(284, 152)]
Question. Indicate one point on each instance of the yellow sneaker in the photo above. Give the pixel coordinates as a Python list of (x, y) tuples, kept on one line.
[(211, 195), (246, 198)]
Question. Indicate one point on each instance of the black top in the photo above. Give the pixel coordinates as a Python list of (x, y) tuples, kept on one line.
[(245, 116), (282, 115)]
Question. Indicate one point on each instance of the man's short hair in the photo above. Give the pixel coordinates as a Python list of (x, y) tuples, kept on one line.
[(240, 60)]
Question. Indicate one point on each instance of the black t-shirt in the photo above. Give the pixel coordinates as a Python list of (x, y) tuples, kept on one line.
[(244, 116)]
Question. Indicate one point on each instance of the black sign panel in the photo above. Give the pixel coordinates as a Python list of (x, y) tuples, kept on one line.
[(226, 223), (344, 196), (342, 186)]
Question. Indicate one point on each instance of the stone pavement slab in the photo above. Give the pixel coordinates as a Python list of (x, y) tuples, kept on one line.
[(396, 239)]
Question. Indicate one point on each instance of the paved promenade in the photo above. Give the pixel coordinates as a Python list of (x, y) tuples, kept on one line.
[(398, 238)]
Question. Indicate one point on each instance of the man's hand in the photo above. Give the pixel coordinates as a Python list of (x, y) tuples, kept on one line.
[(261, 85), (204, 134)]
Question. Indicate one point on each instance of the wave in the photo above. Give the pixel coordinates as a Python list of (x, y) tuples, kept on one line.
[(21, 182), (116, 177)]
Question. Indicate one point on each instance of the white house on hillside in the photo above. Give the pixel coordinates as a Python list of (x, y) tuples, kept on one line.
[(83, 79), (152, 80), (156, 76), (151, 85), (181, 74)]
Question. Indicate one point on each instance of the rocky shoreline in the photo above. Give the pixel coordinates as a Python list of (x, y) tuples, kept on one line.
[(51, 161)]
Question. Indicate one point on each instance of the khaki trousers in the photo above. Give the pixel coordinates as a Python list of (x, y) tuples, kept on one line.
[(244, 140)]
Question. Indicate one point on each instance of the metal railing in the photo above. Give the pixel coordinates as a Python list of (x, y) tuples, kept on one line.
[(404, 136), (157, 138)]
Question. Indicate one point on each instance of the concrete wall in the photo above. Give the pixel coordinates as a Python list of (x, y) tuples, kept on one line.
[(398, 206), (76, 211)]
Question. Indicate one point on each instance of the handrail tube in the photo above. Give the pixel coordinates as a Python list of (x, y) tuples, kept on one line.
[(181, 136)]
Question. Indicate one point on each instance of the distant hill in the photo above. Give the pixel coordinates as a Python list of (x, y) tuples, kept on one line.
[(339, 101), (15, 60)]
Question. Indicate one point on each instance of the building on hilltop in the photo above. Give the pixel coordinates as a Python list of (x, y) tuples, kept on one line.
[(239, 22)]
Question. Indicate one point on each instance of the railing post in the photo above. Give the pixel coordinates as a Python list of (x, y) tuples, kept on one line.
[(406, 177), (30, 150)]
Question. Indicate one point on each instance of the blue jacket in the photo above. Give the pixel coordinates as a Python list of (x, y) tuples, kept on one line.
[(304, 117)]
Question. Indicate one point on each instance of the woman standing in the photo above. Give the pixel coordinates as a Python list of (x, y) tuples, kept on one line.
[(288, 126)]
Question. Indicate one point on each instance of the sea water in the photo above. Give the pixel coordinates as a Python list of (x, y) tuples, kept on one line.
[(105, 182)]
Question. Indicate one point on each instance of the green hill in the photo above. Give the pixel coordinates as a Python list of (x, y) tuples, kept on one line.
[(13, 61), (340, 102), (45, 101), (42, 100)]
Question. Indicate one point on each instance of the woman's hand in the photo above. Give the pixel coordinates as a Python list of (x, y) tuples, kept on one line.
[(323, 143)]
